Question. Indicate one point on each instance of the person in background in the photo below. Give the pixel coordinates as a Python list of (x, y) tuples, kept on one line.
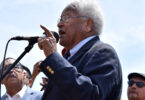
[(14, 82), (44, 83), (90, 69), (28, 79), (136, 86), (35, 73)]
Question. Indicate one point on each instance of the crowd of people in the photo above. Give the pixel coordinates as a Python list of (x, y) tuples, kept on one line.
[(88, 69), (19, 81)]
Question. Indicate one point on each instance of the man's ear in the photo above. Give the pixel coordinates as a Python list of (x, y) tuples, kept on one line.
[(30, 83), (24, 74), (89, 25)]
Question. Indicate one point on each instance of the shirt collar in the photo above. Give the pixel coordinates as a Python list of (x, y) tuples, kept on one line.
[(79, 45), (20, 93)]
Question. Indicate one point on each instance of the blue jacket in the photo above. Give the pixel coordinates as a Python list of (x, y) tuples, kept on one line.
[(29, 95), (93, 73)]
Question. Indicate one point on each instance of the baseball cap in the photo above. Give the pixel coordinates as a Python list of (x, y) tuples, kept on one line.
[(135, 74)]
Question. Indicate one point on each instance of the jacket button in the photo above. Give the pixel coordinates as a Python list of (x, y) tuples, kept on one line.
[(50, 70)]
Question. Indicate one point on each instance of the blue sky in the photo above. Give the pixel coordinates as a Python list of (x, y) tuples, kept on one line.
[(124, 29)]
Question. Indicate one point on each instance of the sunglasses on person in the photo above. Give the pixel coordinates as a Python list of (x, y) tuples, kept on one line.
[(138, 84)]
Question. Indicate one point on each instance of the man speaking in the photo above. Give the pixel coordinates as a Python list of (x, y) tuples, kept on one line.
[(92, 70)]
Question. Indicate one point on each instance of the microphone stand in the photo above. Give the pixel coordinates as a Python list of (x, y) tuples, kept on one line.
[(27, 49)]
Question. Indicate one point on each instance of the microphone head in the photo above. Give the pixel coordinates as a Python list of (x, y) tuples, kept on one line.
[(55, 34)]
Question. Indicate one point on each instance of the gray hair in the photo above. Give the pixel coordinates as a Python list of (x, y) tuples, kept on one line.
[(89, 9)]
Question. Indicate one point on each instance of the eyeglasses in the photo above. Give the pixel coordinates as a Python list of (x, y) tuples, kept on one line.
[(65, 18), (17, 67), (138, 84)]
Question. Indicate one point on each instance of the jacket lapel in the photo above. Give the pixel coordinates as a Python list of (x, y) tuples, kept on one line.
[(83, 50)]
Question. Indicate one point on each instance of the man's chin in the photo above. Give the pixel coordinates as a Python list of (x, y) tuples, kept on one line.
[(133, 96), (12, 79), (62, 43)]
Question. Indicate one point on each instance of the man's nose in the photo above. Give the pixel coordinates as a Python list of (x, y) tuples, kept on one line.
[(134, 85), (12, 70), (60, 24)]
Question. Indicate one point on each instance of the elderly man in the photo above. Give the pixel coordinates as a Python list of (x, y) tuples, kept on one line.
[(136, 86), (15, 84), (91, 69)]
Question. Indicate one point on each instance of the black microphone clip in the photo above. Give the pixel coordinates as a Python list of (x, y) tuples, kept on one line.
[(30, 39)]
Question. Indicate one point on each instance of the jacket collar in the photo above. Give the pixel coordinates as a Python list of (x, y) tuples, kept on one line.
[(83, 49)]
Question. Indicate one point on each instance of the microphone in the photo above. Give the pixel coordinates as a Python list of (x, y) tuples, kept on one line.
[(35, 38)]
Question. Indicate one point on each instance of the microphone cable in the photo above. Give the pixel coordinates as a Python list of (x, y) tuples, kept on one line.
[(3, 63)]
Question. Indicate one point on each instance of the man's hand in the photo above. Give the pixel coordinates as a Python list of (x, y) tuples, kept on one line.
[(44, 83), (48, 45), (36, 71)]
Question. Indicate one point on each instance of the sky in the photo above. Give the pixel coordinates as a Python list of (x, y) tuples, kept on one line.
[(124, 29)]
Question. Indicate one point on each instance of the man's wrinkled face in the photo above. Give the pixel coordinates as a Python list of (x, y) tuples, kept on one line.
[(136, 91), (15, 76), (71, 28)]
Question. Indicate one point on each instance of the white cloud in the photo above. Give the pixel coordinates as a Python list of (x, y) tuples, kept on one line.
[(13, 3), (126, 38), (138, 34)]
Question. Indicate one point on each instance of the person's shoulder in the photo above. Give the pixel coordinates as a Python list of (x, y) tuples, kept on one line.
[(101, 46), (34, 92), (3, 97)]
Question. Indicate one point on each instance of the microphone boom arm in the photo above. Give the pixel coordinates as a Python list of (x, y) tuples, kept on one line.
[(27, 49)]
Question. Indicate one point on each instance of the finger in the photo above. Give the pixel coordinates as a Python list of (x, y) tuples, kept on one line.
[(45, 82), (41, 84), (40, 43), (37, 64), (44, 78), (48, 33)]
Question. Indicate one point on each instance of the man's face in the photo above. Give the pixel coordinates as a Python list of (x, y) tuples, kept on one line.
[(135, 92), (71, 28), (15, 77)]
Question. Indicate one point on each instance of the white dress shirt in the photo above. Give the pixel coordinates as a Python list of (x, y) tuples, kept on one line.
[(79, 45), (17, 96)]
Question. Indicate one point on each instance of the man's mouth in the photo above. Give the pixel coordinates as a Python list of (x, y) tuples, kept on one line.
[(61, 32), (11, 76), (132, 91)]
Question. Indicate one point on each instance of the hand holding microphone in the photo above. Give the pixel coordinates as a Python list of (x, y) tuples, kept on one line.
[(48, 45)]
